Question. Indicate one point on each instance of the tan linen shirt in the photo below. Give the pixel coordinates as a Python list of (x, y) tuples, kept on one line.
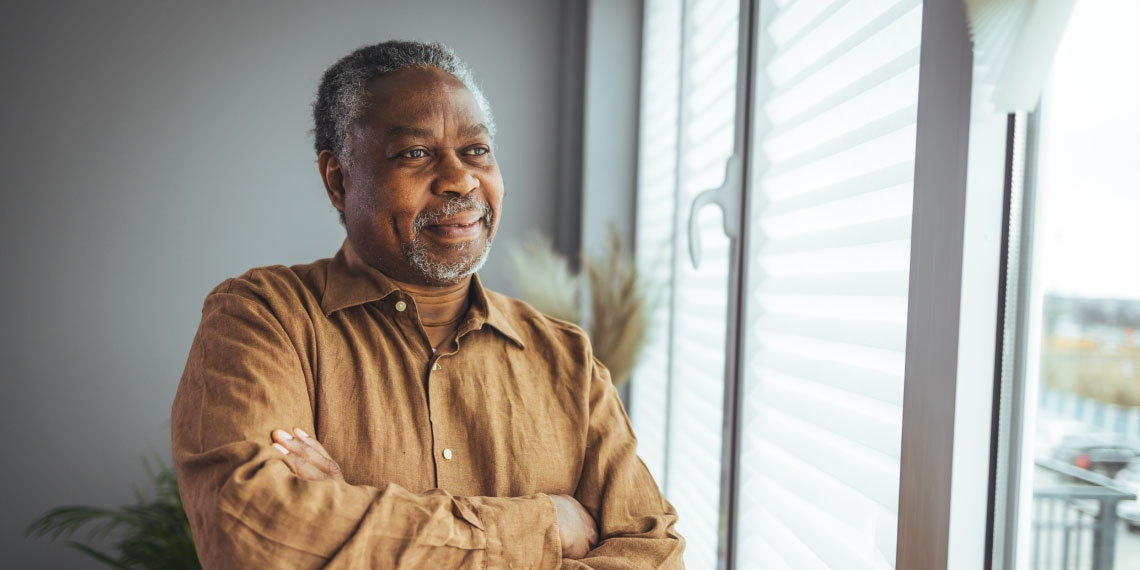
[(448, 457)]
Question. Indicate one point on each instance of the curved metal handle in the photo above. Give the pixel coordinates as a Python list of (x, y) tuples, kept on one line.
[(727, 196)]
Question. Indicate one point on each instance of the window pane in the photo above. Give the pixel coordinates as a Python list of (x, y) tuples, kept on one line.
[(1083, 310), (827, 274), (688, 125)]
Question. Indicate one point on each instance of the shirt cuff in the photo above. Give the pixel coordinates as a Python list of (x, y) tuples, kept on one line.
[(522, 532)]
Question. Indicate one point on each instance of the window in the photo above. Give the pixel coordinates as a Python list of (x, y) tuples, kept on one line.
[(828, 253), (821, 389), (1073, 358), (688, 129), (799, 120)]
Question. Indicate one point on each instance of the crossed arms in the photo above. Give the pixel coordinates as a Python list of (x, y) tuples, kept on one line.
[(309, 460), (251, 505)]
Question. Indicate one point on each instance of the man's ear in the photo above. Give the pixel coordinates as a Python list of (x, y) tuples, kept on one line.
[(332, 175)]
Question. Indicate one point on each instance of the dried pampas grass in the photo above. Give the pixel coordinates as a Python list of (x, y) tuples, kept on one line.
[(617, 311), (544, 280)]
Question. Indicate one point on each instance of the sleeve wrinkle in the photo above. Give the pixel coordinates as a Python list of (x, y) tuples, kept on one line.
[(635, 522)]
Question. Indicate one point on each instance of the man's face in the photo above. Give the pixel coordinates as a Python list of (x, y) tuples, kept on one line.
[(422, 192)]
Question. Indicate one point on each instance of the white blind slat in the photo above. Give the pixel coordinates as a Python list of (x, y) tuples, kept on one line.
[(885, 256), (837, 375), (815, 214), (856, 33), (901, 65), (865, 283), (891, 229), (808, 145), (849, 163), (900, 173), (867, 333)]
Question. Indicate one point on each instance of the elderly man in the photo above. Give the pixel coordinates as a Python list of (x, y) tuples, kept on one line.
[(381, 409)]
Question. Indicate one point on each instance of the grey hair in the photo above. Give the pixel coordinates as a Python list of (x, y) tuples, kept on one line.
[(343, 93)]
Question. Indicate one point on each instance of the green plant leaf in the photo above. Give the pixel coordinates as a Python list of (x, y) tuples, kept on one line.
[(152, 533)]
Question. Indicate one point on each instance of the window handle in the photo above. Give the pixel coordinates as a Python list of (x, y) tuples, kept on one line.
[(727, 196)]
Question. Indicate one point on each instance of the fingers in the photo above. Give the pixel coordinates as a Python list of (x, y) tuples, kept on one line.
[(306, 456), (319, 457), (305, 460), (302, 468), (312, 442)]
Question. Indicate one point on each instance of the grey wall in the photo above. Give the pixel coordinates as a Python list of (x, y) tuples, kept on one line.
[(153, 149), (612, 99)]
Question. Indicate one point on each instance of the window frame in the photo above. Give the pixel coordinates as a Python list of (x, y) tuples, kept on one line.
[(953, 321), (954, 305)]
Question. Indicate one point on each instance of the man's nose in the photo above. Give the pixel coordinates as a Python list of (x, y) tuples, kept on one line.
[(454, 176)]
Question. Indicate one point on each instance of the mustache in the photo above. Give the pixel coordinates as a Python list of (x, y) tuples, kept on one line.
[(454, 206)]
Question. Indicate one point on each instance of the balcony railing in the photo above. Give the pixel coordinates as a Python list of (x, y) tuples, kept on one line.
[(1074, 519)]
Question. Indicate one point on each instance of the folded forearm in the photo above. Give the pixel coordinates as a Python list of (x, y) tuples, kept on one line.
[(261, 515)]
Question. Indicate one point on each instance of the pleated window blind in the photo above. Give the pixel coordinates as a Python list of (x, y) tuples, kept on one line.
[(827, 279), (824, 274), (688, 122)]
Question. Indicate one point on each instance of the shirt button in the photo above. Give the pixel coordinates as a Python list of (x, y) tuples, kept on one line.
[(447, 454), (436, 366), (400, 306)]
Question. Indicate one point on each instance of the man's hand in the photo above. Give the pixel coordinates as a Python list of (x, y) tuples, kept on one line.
[(306, 456), (576, 528)]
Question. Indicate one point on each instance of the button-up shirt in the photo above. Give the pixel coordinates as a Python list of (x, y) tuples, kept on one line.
[(448, 456)]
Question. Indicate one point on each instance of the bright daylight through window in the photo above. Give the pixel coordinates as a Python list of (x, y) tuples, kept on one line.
[(791, 403), (1080, 316), (815, 297)]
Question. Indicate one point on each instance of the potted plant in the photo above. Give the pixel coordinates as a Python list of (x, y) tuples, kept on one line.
[(151, 533)]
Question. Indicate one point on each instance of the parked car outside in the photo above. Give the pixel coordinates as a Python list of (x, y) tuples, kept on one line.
[(1053, 429), (1104, 453)]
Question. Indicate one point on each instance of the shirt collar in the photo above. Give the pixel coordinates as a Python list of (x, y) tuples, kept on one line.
[(351, 282)]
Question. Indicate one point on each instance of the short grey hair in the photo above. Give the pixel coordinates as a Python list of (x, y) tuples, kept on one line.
[(342, 96)]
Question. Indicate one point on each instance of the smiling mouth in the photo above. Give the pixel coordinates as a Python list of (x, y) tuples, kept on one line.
[(457, 224), (457, 230), (459, 220)]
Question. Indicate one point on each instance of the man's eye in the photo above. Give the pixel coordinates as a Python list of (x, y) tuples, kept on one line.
[(478, 151), (414, 153)]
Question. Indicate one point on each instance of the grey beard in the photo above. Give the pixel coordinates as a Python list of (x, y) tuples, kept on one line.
[(416, 254), (446, 272)]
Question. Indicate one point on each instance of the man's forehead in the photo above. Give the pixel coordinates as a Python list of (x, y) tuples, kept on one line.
[(403, 101), (418, 82)]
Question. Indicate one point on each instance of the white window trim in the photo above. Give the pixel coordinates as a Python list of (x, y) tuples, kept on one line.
[(952, 322)]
